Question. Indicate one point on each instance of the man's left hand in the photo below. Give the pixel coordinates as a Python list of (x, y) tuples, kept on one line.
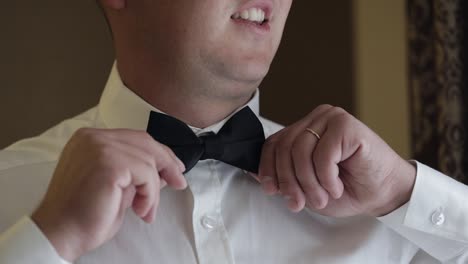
[(344, 169)]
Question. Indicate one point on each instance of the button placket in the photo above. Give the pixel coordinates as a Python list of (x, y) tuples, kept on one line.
[(209, 231), (209, 222)]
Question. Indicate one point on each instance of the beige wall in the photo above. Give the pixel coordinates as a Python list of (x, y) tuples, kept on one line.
[(381, 69)]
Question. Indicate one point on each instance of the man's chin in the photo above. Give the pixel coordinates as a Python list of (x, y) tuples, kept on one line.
[(253, 74)]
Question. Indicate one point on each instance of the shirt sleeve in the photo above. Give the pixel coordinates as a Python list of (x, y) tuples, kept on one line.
[(24, 243), (436, 217)]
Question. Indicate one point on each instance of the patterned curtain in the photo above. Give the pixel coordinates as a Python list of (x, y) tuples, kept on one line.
[(438, 37)]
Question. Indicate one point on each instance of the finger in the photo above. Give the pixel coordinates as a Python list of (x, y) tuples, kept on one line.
[(173, 177), (299, 127), (146, 182), (328, 155), (141, 140), (151, 214), (326, 159), (302, 151), (168, 167), (287, 181), (161, 156), (267, 169), (132, 172), (149, 218), (174, 157), (128, 194)]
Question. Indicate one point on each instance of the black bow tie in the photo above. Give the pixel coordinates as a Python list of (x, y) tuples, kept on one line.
[(238, 143)]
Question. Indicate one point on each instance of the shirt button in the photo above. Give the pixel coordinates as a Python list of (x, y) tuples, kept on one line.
[(209, 222), (438, 218)]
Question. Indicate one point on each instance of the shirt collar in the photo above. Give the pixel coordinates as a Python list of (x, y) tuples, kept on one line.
[(120, 107)]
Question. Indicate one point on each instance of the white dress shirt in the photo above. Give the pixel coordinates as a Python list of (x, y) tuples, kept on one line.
[(224, 217)]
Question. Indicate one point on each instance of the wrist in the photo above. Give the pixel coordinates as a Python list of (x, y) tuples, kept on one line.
[(401, 187), (59, 235)]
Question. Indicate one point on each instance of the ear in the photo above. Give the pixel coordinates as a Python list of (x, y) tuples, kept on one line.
[(114, 4)]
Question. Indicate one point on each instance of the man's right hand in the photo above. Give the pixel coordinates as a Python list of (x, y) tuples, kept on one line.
[(100, 174)]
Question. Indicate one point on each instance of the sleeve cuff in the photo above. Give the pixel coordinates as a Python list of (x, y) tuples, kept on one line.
[(24, 243), (435, 217)]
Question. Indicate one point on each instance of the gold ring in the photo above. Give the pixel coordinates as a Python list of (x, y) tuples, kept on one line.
[(313, 133)]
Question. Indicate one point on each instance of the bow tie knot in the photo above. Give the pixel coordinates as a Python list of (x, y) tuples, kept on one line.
[(213, 147), (238, 143)]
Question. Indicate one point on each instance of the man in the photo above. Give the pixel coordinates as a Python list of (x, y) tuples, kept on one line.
[(200, 62)]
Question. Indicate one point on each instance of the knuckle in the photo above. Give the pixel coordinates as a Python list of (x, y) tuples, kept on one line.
[(161, 147), (167, 149), (345, 120), (271, 140), (148, 163), (172, 168), (339, 110), (112, 174), (82, 134), (161, 154), (88, 137), (277, 136), (166, 167), (323, 107)]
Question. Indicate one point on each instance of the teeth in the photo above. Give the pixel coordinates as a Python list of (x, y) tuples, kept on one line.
[(245, 14), (252, 14)]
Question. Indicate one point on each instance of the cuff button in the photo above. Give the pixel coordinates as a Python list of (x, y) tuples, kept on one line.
[(438, 218)]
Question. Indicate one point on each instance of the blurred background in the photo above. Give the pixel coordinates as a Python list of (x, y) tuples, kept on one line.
[(55, 57)]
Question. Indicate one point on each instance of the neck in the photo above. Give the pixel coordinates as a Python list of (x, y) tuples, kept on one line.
[(195, 102)]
